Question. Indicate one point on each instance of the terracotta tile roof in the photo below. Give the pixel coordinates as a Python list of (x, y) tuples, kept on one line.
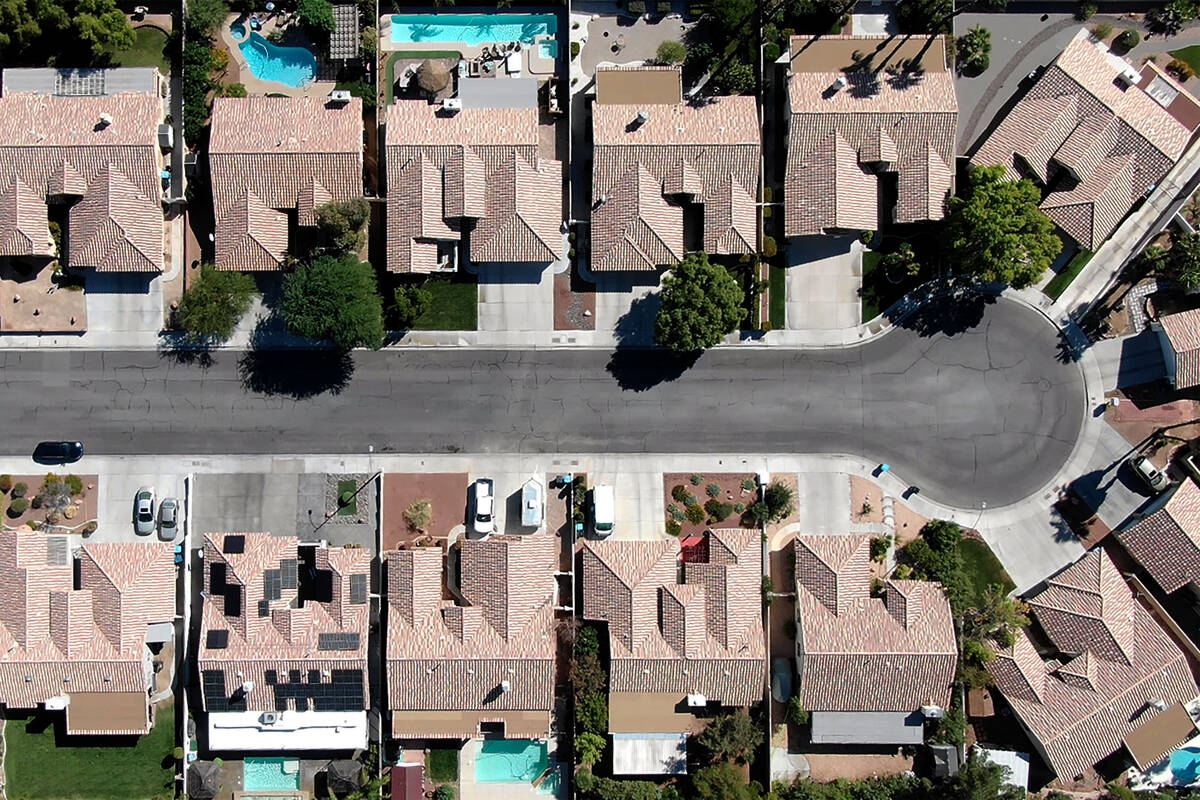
[(267, 625), (1115, 661), (841, 137), (56, 640), (1167, 543), (860, 653), (447, 657), (1183, 333), (1115, 140), (53, 147), (703, 636), (480, 167), (709, 151), (287, 154)]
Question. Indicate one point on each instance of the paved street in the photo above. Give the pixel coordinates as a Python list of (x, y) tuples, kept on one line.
[(986, 415)]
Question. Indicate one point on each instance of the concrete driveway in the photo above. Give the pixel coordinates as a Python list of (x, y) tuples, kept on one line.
[(515, 297), (640, 510), (245, 502), (124, 302), (115, 503), (824, 278)]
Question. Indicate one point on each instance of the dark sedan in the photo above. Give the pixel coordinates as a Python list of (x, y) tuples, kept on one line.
[(57, 452)]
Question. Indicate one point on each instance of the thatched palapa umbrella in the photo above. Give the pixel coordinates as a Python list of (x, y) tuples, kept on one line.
[(433, 76), (343, 777), (204, 780)]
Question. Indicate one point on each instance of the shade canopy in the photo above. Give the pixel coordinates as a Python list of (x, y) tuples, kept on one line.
[(433, 76)]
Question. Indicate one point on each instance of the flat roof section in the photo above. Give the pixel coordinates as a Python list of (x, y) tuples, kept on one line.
[(650, 753), (291, 730), (868, 727), (638, 712), (108, 713), (836, 53), (1159, 735), (650, 85), (498, 92), (465, 724)]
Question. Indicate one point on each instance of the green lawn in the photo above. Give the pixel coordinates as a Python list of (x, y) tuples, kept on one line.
[(38, 770), (147, 51), (982, 568), (778, 297), (389, 84), (1062, 280), (352, 506), (870, 298), (442, 765), (455, 305), (1190, 54)]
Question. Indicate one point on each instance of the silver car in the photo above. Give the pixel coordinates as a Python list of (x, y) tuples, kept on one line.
[(168, 519), (143, 511)]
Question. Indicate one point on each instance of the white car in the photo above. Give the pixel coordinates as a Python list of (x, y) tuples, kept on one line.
[(1150, 474), (143, 510), (483, 506)]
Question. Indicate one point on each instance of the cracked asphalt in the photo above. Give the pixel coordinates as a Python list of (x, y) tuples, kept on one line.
[(989, 414)]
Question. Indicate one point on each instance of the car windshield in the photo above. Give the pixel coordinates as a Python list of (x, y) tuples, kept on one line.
[(144, 516), (483, 517)]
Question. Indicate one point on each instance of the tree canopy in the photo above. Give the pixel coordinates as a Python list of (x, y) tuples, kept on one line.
[(997, 232), (722, 781), (316, 14), (1169, 18), (701, 303), (41, 32), (670, 52), (731, 737), (1182, 262), (342, 222), (334, 299), (213, 304), (206, 16)]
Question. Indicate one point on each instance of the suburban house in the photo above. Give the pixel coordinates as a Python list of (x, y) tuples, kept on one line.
[(870, 670), (472, 175), (870, 137), (1179, 337), (76, 630), (685, 636), (1166, 543), (82, 176), (481, 663), (1115, 671), (274, 161), (669, 176), (283, 644), (1096, 133)]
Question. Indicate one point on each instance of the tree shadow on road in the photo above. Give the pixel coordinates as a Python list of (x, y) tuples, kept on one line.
[(949, 314), (298, 373), (637, 364), (186, 351)]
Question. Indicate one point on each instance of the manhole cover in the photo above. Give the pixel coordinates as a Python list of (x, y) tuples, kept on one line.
[(1044, 385)]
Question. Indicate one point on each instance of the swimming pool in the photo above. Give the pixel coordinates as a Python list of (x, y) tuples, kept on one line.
[(293, 66), (1185, 764), (510, 761), (472, 28), (270, 775)]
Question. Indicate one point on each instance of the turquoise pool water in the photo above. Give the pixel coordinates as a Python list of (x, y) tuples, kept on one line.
[(510, 761), (472, 28), (267, 775), (548, 49), (292, 66), (1185, 765)]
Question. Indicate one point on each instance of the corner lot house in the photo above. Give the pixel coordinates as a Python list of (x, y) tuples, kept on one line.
[(74, 631), (669, 176), (274, 161), (1179, 336), (1096, 133), (869, 139), (482, 662), (1167, 542), (1114, 673), (283, 644), (471, 176), (870, 669), (685, 634), (91, 165)]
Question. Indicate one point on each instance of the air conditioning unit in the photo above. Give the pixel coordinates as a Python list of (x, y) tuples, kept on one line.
[(933, 712), (696, 700), (340, 96), (1130, 75), (269, 717), (166, 136), (452, 104)]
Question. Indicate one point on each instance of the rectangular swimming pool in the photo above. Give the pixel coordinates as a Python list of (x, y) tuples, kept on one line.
[(270, 774), (510, 761), (472, 28)]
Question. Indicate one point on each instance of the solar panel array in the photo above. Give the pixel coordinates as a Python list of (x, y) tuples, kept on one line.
[(272, 584), (337, 641), (217, 639), (234, 544), (215, 699), (358, 589), (264, 608), (344, 692), (287, 570)]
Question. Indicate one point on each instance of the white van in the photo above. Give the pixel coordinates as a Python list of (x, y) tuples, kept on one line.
[(603, 510)]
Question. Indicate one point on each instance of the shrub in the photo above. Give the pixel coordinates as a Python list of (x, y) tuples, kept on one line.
[(738, 508), (664, 6), (866, 237), (732, 737), (37, 501), (18, 506), (19, 490), (574, 49), (346, 497), (70, 512), (696, 479), (637, 7), (671, 53), (976, 652), (796, 713), (585, 781), (679, 492), (769, 247), (419, 514), (88, 528), (778, 497), (677, 513), (879, 547), (771, 51), (1085, 11), (748, 485), (1102, 30), (695, 514), (409, 303), (690, 500), (1180, 69), (758, 512), (589, 747), (74, 485), (674, 528), (444, 792), (53, 517), (587, 641), (717, 510), (5, 483), (713, 490), (1128, 40)]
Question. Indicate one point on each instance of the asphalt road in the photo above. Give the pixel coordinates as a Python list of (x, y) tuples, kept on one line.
[(986, 412)]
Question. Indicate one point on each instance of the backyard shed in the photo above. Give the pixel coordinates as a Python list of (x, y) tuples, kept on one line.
[(407, 781)]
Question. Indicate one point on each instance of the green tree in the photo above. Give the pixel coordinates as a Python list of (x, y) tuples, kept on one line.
[(902, 260), (587, 674), (197, 64), (732, 736), (734, 77), (213, 304), (974, 50), (670, 52), (780, 500), (997, 232), (701, 302), (979, 780), (722, 782), (1169, 18), (334, 299), (368, 41), (316, 14), (343, 221), (952, 728), (101, 26), (996, 617), (1182, 261), (589, 747), (591, 714), (231, 90), (409, 303), (204, 17), (444, 792)]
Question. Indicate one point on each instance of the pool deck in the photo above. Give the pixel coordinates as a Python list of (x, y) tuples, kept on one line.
[(238, 70), (532, 62), (470, 789)]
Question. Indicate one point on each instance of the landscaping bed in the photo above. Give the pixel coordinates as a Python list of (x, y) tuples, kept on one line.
[(717, 495), (447, 496), (73, 508), (1059, 283)]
